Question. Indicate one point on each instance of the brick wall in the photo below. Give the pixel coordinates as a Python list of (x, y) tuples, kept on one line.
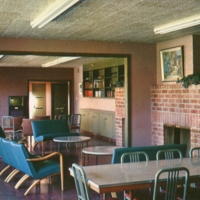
[(175, 105), (119, 115)]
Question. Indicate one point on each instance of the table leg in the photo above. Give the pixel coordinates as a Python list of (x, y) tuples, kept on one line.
[(96, 160), (83, 157), (58, 146)]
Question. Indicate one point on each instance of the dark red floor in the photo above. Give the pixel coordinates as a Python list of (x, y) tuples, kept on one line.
[(46, 191)]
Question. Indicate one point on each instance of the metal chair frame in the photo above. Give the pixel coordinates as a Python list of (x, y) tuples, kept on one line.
[(8, 125), (172, 177), (75, 122), (133, 157), (81, 183), (197, 149), (169, 154)]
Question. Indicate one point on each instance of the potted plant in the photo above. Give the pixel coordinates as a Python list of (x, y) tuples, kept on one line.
[(186, 81)]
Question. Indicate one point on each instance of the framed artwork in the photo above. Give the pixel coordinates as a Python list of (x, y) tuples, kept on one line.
[(172, 63)]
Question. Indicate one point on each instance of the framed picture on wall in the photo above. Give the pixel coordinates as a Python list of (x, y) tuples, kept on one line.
[(172, 63)]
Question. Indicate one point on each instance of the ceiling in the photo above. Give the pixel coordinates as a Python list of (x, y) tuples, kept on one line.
[(93, 20)]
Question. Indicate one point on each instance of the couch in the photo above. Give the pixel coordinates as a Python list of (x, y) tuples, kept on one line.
[(150, 150), (46, 130)]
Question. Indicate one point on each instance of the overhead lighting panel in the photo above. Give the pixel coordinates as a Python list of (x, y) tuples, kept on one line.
[(59, 61), (57, 8), (178, 25)]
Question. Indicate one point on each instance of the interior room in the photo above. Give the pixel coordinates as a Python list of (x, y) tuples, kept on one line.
[(108, 61)]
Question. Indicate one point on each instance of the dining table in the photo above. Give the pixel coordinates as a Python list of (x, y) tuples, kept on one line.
[(110, 178)]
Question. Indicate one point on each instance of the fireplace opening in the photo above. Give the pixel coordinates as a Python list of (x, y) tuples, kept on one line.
[(177, 135)]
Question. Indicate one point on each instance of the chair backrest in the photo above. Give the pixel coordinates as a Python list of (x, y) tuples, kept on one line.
[(75, 120), (81, 182), (8, 123), (193, 151), (7, 144), (27, 128), (18, 122), (3, 153), (168, 154), (134, 156), (171, 177)]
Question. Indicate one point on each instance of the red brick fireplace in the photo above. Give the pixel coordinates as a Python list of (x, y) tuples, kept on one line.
[(175, 106)]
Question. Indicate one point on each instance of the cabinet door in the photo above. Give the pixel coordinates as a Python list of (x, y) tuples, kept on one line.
[(84, 120), (94, 122), (106, 125)]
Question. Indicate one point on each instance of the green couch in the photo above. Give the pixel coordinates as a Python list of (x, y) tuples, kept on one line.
[(150, 150)]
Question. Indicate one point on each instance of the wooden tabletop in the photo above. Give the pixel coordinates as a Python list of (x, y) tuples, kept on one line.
[(131, 176)]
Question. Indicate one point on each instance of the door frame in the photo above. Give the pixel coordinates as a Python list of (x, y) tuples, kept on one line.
[(48, 95)]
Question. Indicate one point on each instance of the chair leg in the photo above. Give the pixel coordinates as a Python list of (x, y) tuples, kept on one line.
[(11, 175), (4, 169), (21, 180)]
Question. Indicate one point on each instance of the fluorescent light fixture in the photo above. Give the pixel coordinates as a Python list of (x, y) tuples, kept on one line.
[(52, 12), (178, 25), (59, 61), (1, 56)]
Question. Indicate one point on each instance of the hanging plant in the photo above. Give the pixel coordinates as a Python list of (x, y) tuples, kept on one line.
[(120, 83), (186, 81)]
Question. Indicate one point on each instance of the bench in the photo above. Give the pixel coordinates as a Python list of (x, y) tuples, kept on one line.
[(46, 130), (150, 150)]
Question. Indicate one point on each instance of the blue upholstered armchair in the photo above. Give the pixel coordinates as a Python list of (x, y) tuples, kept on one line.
[(32, 165)]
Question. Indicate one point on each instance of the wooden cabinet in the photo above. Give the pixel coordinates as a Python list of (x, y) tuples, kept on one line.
[(98, 122), (94, 122), (84, 120), (106, 125), (102, 82)]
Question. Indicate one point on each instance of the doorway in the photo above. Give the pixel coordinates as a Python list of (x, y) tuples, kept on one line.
[(59, 99), (49, 98)]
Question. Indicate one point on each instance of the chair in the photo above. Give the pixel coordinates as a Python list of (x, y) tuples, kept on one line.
[(75, 123), (133, 157), (4, 157), (27, 129), (168, 154), (8, 125), (67, 117), (172, 177), (18, 125), (193, 150), (81, 184), (37, 167)]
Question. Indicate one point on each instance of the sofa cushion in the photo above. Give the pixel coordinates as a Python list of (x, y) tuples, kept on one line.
[(150, 150)]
